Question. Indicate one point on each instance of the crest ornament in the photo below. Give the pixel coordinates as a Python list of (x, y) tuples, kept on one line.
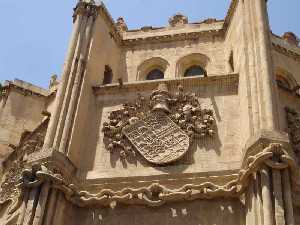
[(157, 138), (160, 128)]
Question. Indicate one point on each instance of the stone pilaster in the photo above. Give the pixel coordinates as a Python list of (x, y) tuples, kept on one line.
[(73, 71), (264, 113)]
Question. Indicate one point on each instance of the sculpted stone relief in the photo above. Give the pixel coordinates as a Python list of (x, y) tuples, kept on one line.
[(293, 123), (154, 195), (159, 128), (30, 142), (9, 184)]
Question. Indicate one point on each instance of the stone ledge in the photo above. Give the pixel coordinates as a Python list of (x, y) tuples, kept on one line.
[(116, 89), (26, 88)]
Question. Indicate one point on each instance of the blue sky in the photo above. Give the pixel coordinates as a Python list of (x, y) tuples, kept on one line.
[(35, 34)]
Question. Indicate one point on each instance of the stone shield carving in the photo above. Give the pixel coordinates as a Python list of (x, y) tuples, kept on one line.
[(160, 127), (157, 138)]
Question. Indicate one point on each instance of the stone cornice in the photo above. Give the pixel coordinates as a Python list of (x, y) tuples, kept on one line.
[(118, 37), (171, 37), (287, 52), (150, 85), (13, 85)]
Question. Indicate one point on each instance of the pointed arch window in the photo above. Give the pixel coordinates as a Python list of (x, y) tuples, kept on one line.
[(155, 74), (194, 70)]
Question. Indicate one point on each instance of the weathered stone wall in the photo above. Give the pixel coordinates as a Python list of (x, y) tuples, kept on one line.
[(209, 46), (217, 153), (21, 110), (290, 100), (104, 50), (286, 63), (235, 43), (288, 67), (202, 212)]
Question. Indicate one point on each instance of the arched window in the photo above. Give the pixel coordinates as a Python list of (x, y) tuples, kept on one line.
[(152, 69), (194, 64), (195, 71), (283, 82), (155, 74), (108, 75)]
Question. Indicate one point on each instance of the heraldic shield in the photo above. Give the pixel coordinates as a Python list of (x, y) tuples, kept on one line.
[(157, 138)]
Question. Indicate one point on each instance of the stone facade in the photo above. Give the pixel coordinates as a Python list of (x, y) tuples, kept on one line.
[(193, 123)]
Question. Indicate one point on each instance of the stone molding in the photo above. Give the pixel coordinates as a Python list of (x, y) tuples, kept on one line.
[(171, 37), (154, 195), (286, 52), (10, 85), (229, 79)]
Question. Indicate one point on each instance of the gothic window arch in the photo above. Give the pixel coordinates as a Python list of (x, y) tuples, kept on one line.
[(108, 75)]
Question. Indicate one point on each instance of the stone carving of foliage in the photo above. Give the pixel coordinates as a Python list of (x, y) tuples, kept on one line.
[(293, 122), (9, 189), (30, 142)]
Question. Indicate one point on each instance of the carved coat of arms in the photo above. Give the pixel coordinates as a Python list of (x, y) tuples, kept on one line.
[(160, 129)]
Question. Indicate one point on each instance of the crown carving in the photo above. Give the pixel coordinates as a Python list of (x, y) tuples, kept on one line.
[(178, 20), (121, 25)]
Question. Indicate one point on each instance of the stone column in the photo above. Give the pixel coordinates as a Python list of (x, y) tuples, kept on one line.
[(59, 213), (51, 207), (287, 197), (266, 196), (278, 201), (65, 76), (251, 66), (31, 206), (69, 85), (258, 203), (269, 120), (77, 82), (250, 204), (23, 208), (40, 208)]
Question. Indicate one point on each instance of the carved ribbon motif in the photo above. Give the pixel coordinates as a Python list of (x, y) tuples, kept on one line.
[(183, 109)]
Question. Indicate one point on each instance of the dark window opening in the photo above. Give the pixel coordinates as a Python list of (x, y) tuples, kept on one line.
[(283, 83), (231, 61), (195, 71), (108, 75), (155, 74)]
